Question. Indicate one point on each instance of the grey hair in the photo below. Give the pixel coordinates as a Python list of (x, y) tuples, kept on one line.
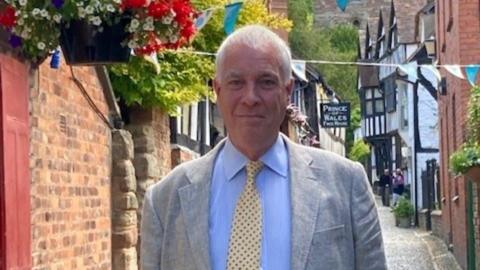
[(257, 37)]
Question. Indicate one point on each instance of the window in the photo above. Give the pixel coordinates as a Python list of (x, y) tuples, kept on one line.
[(373, 102), (390, 95)]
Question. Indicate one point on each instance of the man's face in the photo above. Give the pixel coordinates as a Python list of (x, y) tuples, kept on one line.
[(251, 94)]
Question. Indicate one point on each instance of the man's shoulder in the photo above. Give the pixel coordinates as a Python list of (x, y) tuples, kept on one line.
[(324, 157), (178, 176)]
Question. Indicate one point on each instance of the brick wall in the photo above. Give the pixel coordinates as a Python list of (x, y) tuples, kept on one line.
[(458, 32), (70, 172), (161, 129)]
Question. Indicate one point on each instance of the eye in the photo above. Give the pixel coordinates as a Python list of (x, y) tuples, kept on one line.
[(235, 83), (268, 83)]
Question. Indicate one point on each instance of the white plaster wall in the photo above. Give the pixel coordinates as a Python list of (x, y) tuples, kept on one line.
[(428, 119)]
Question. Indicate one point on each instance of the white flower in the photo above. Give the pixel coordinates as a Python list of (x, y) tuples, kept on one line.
[(132, 44), (173, 39), (35, 11), (81, 12), (89, 10), (41, 45), (110, 8), (44, 13), (148, 27), (80, 4), (117, 1), (167, 20), (22, 2), (175, 24), (25, 35), (134, 24), (96, 20), (149, 20), (20, 21), (57, 18)]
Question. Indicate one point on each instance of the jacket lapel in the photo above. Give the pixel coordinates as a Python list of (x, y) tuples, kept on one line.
[(306, 197), (194, 200)]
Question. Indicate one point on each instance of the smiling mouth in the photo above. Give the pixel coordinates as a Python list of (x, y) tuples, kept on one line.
[(250, 116)]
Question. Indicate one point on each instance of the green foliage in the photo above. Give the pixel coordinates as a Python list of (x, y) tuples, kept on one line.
[(469, 154), (337, 43), (473, 116), (182, 79), (404, 208), (183, 76), (359, 151), (465, 158)]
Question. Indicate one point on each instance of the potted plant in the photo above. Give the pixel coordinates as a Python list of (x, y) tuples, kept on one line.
[(403, 213), (466, 160), (96, 31)]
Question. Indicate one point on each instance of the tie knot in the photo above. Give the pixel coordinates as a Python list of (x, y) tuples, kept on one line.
[(253, 168)]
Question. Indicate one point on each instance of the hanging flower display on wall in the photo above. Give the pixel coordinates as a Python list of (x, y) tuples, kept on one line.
[(35, 25)]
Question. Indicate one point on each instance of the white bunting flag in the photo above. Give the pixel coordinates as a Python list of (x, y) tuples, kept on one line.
[(455, 70)]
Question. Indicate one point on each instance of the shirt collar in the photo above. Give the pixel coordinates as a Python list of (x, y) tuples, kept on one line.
[(275, 158)]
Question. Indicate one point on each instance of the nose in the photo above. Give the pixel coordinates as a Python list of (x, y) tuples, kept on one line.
[(250, 97)]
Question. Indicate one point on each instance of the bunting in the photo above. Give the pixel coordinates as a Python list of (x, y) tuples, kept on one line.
[(203, 18), (342, 4), (455, 70), (299, 67), (409, 70), (231, 14), (153, 59), (472, 72)]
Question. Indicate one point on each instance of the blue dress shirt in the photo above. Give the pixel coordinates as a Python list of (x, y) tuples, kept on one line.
[(273, 184)]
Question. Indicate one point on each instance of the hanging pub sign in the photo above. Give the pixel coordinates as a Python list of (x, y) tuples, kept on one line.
[(334, 115)]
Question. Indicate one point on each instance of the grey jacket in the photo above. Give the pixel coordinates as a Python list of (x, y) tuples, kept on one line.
[(334, 218)]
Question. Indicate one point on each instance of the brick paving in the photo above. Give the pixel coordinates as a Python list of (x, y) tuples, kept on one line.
[(412, 248)]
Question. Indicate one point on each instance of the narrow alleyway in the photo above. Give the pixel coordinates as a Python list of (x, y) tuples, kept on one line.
[(413, 249)]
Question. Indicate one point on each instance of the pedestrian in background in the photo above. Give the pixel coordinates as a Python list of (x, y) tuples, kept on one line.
[(398, 186), (384, 184), (259, 200)]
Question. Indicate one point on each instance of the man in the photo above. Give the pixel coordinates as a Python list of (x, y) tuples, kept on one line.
[(384, 184), (258, 200)]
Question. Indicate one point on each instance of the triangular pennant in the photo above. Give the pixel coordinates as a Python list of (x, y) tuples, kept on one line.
[(299, 67), (231, 14), (342, 4), (432, 70), (153, 59), (472, 72), (455, 70), (203, 18), (409, 69)]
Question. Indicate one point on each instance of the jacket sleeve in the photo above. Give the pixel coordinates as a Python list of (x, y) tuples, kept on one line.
[(367, 234), (151, 235)]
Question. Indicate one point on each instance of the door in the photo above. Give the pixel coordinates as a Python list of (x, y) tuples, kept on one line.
[(15, 252)]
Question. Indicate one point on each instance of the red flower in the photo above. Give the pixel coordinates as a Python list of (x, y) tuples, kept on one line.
[(158, 9), (183, 10), (188, 31), (128, 4), (7, 17)]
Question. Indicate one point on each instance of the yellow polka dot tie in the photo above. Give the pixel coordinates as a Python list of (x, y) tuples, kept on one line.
[(246, 233)]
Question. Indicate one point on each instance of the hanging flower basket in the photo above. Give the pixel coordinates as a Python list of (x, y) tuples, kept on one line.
[(96, 32), (83, 44)]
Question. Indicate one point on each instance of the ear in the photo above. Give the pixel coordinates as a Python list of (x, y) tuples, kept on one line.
[(289, 89), (216, 86)]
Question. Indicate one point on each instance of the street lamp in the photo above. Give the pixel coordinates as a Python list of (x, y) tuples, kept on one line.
[(430, 47)]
